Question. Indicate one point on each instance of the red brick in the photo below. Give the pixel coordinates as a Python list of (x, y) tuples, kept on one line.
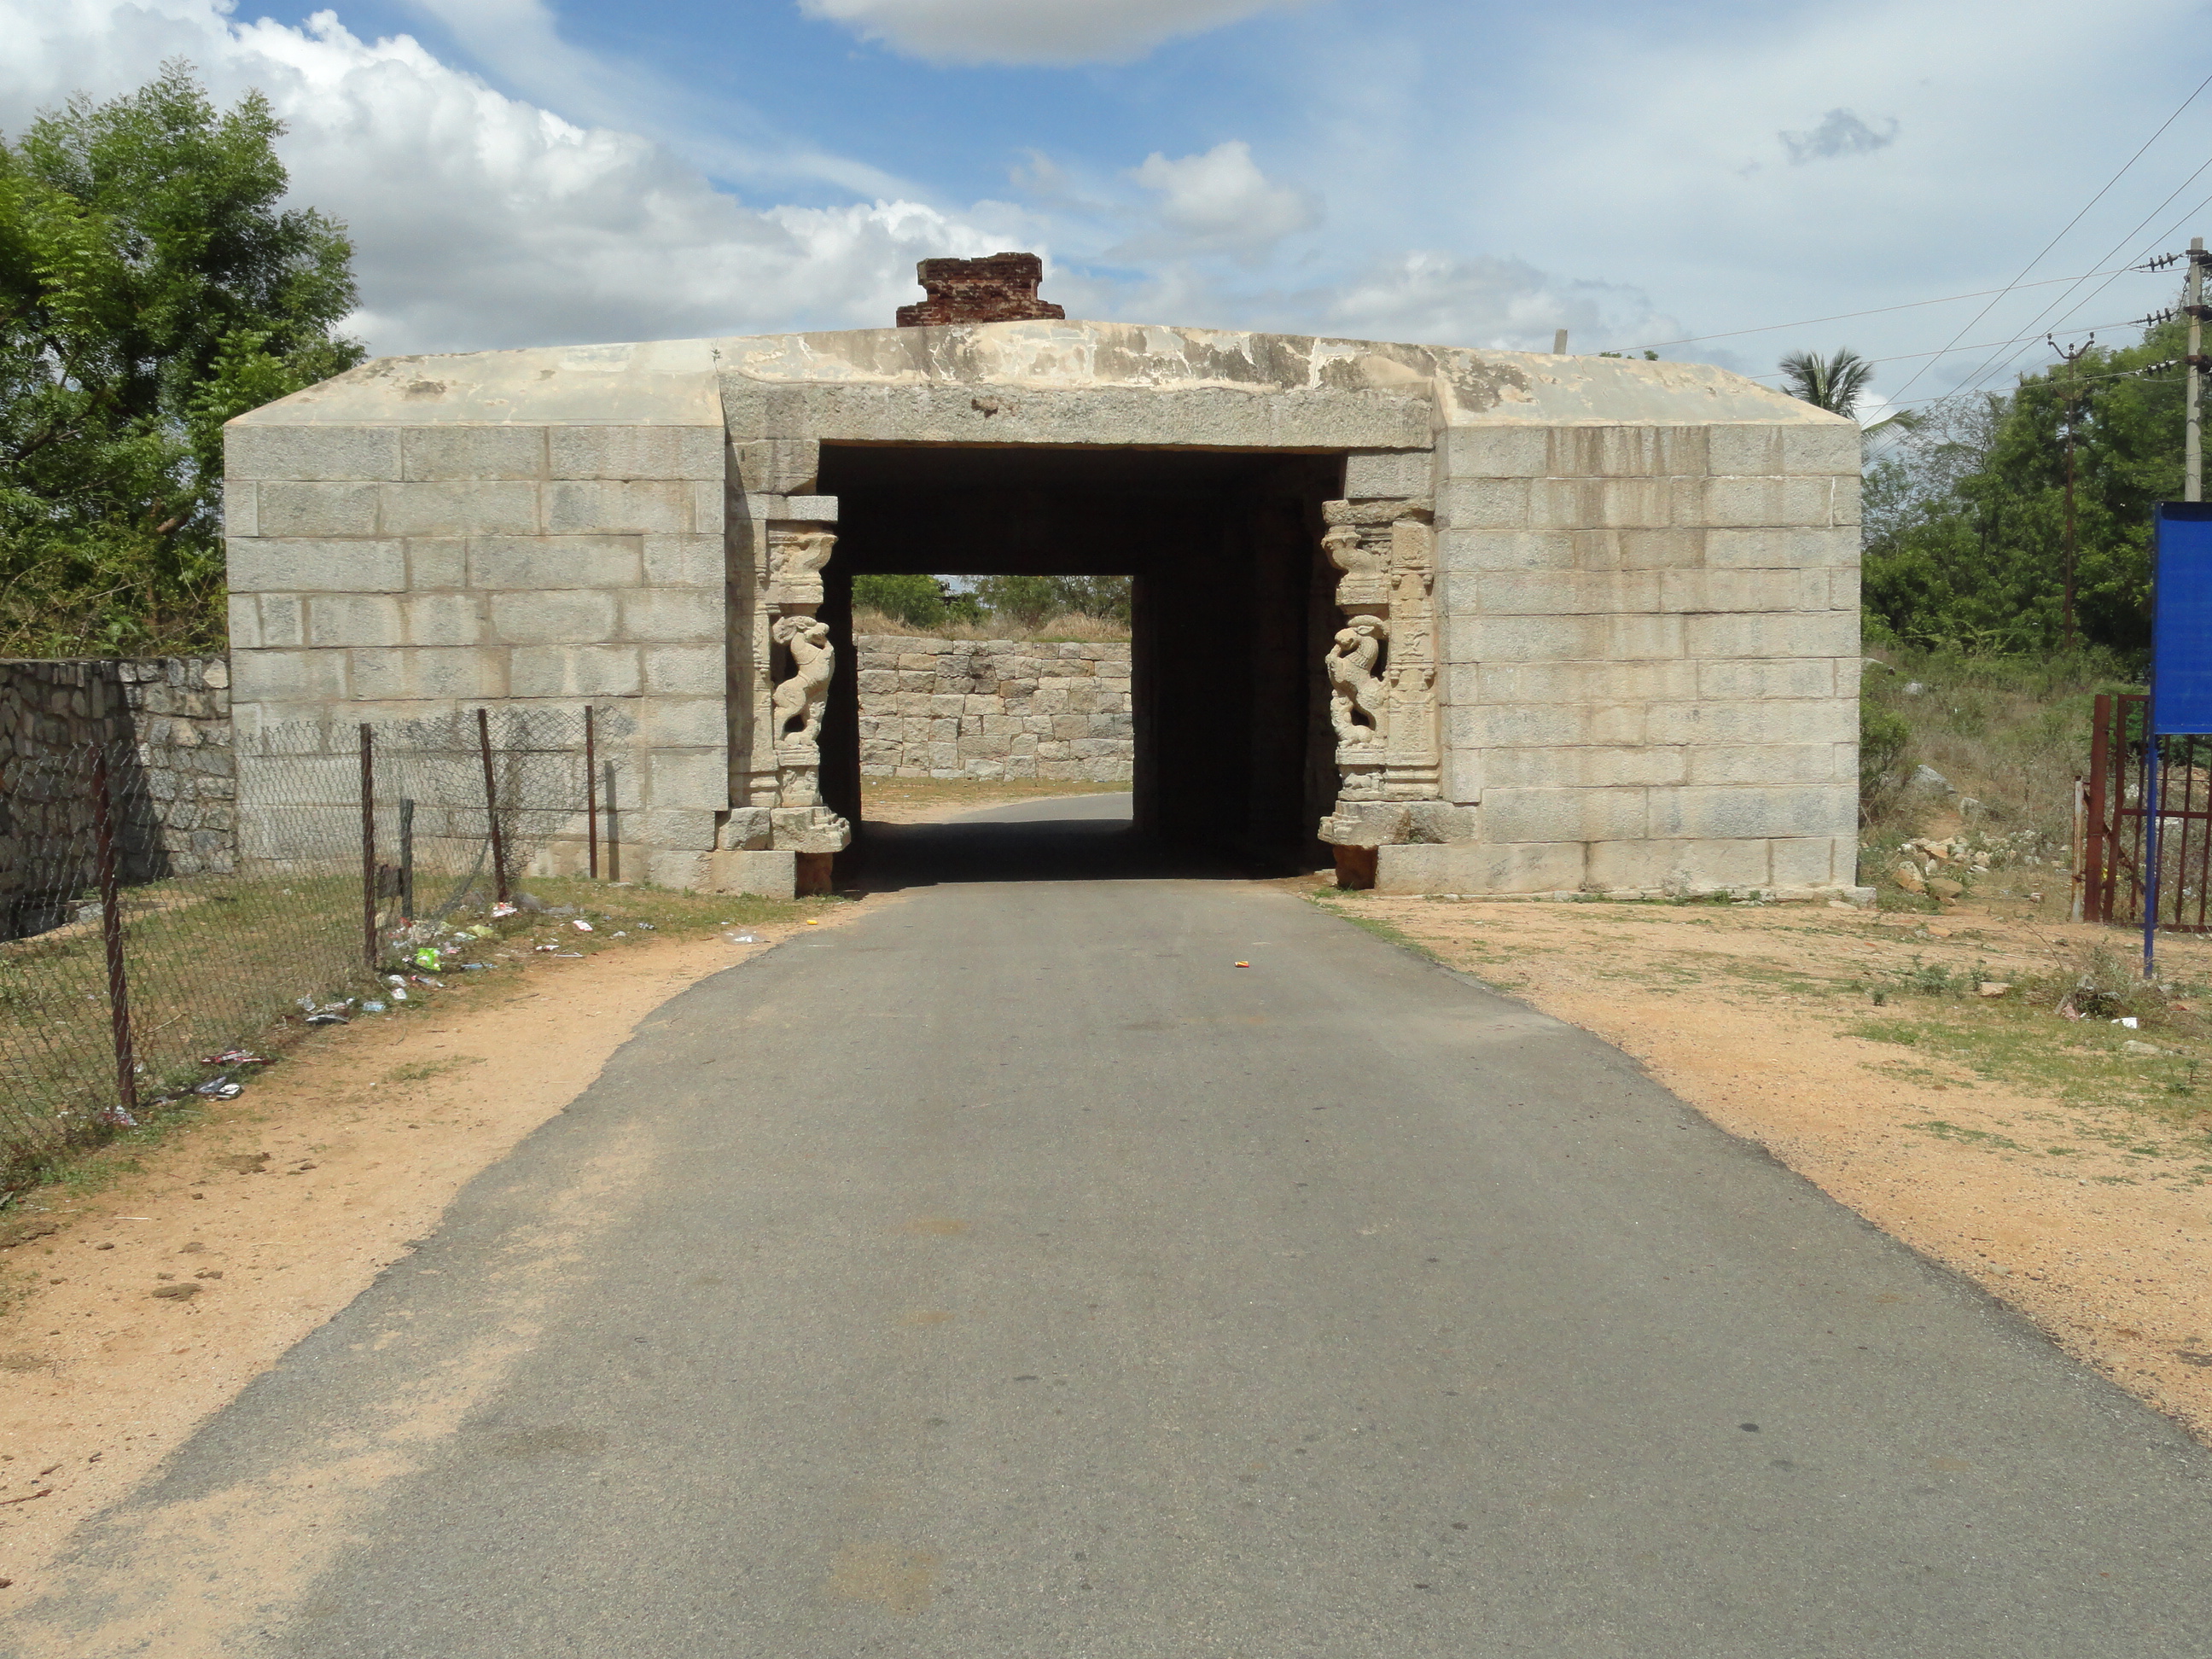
[(1002, 289)]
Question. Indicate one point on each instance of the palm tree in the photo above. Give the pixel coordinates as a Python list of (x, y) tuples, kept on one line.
[(1832, 383)]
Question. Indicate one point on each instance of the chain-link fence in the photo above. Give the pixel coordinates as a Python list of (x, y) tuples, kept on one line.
[(128, 975)]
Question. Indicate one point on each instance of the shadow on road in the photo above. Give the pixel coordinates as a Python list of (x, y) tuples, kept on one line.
[(1065, 838)]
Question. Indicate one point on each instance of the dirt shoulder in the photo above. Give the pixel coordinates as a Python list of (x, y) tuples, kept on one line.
[(162, 1294), (2063, 1171)]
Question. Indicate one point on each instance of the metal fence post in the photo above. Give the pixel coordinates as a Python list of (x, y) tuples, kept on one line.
[(2098, 849), (614, 828), (491, 807), (368, 846), (407, 858), (2153, 785), (111, 927), (591, 795)]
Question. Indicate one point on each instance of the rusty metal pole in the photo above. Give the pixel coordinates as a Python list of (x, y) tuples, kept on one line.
[(2097, 847), (111, 927), (407, 860), (491, 808), (368, 846), (591, 794)]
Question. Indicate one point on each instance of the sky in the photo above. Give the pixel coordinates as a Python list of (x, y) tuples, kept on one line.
[(1460, 172)]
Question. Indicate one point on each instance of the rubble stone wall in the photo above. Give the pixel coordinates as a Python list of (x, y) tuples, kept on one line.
[(167, 722), (994, 708)]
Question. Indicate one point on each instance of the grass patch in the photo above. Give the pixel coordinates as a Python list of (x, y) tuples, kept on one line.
[(218, 962), (1953, 1132), (429, 1069), (1072, 627), (2029, 1049), (1332, 900)]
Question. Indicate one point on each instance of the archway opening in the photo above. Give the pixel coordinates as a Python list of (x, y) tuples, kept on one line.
[(1232, 610)]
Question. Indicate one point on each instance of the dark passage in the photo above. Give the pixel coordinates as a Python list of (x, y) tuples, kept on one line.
[(1061, 838), (1232, 611)]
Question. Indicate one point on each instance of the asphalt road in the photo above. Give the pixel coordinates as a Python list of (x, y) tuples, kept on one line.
[(1010, 1273)]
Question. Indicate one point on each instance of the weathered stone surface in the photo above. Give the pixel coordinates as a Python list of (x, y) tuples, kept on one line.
[(770, 874), (439, 454), (1641, 582)]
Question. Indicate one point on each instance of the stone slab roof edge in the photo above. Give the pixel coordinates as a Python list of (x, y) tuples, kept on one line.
[(675, 381)]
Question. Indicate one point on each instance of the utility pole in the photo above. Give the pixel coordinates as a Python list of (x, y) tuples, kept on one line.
[(2192, 485), (2073, 410)]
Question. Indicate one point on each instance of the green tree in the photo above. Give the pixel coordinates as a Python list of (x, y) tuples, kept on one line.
[(1032, 600), (1964, 527), (1835, 383), (151, 288), (914, 602)]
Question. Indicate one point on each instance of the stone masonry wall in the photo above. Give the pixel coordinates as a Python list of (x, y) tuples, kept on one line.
[(1651, 666), (167, 721), (383, 572), (994, 708)]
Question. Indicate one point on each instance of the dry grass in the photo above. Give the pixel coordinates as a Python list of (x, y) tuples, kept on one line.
[(1073, 626), (2012, 732), (922, 800)]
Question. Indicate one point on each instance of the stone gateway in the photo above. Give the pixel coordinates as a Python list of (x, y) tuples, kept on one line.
[(1480, 621)]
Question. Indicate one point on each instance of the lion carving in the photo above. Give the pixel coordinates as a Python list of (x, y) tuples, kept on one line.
[(797, 703), (1355, 694)]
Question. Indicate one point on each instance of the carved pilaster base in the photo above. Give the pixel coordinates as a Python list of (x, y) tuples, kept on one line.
[(1366, 823), (1410, 783), (798, 776), (809, 829), (1361, 770), (1395, 823)]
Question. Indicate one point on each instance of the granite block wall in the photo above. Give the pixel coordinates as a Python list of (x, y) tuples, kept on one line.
[(400, 570), (1651, 649)]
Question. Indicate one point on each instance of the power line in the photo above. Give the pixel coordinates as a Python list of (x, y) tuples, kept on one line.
[(1989, 345), (1846, 316), (2070, 223), (2149, 371), (1976, 378)]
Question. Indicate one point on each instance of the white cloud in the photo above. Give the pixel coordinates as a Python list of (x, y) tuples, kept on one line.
[(1031, 31), (520, 41), (1656, 191), (1503, 303), (481, 220), (1221, 203)]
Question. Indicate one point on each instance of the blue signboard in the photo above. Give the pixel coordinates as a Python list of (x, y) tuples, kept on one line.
[(2181, 624)]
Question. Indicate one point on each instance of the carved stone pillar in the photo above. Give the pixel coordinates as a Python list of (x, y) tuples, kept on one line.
[(793, 645), (1412, 769), (1382, 668)]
